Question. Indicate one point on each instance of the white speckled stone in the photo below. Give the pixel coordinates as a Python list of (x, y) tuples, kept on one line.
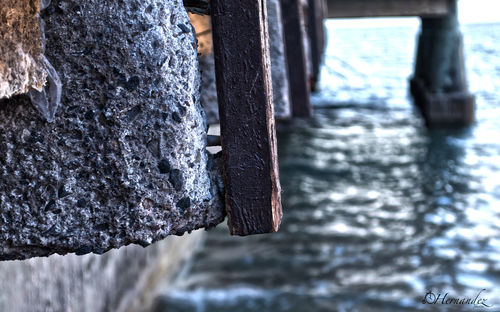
[(124, 160)]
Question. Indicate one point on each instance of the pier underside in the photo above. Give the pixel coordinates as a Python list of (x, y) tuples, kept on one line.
[(378, 8)]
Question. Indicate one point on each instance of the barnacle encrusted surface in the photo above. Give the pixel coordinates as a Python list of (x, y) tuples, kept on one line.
[(124, 160), (20, 47)]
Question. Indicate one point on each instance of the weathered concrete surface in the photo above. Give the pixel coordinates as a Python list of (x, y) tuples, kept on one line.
[(439, 85), (281, 97), (124, 161), (20, 48), (120, 280)]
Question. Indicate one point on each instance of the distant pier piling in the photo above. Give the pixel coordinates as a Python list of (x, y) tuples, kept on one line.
[(316, 15), (293, 21), (439, 85)]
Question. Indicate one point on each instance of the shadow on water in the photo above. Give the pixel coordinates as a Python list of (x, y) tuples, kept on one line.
[(378, 211)]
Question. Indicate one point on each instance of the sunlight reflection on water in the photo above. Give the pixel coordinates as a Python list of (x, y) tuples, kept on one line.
[(378, 211)]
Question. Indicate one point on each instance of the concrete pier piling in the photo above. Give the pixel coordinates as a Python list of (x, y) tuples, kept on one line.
[(439, 85), (385, 8), (279, 69), (293, 24), (124, 160), (316, 32)]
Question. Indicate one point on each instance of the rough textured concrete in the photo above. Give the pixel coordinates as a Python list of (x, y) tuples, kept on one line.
[(125, 160), (282, 108), (120, 280), (20, 47)]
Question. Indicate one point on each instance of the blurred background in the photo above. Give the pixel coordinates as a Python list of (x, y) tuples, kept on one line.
[(378, 210)]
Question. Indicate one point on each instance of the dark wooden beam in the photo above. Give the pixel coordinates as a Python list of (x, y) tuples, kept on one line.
[(378, 8), (244, 90), (293, 22)]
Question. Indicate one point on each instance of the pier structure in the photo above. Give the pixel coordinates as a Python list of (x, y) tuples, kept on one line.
[(439, 84), (261, 59), (103, 126)]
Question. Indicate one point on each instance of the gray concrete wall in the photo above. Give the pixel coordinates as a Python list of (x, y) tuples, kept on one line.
[(120, 280)]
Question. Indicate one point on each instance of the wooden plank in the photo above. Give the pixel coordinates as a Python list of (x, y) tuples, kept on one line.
[(293, 21), (242, 67), (379, 8)]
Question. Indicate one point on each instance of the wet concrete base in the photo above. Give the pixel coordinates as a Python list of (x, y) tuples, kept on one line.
[(445, 109)]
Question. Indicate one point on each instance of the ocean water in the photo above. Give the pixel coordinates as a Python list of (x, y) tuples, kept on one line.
[(378, 211)]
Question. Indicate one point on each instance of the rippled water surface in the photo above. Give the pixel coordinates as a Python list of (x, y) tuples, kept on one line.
[(377, 210)]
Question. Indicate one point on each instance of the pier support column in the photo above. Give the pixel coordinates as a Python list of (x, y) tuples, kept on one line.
[(316, 32), (439, 85), (293, 23)]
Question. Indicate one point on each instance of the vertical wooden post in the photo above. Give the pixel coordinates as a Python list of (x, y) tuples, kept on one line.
[(293, 21), (316, 38), (244, 90)]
